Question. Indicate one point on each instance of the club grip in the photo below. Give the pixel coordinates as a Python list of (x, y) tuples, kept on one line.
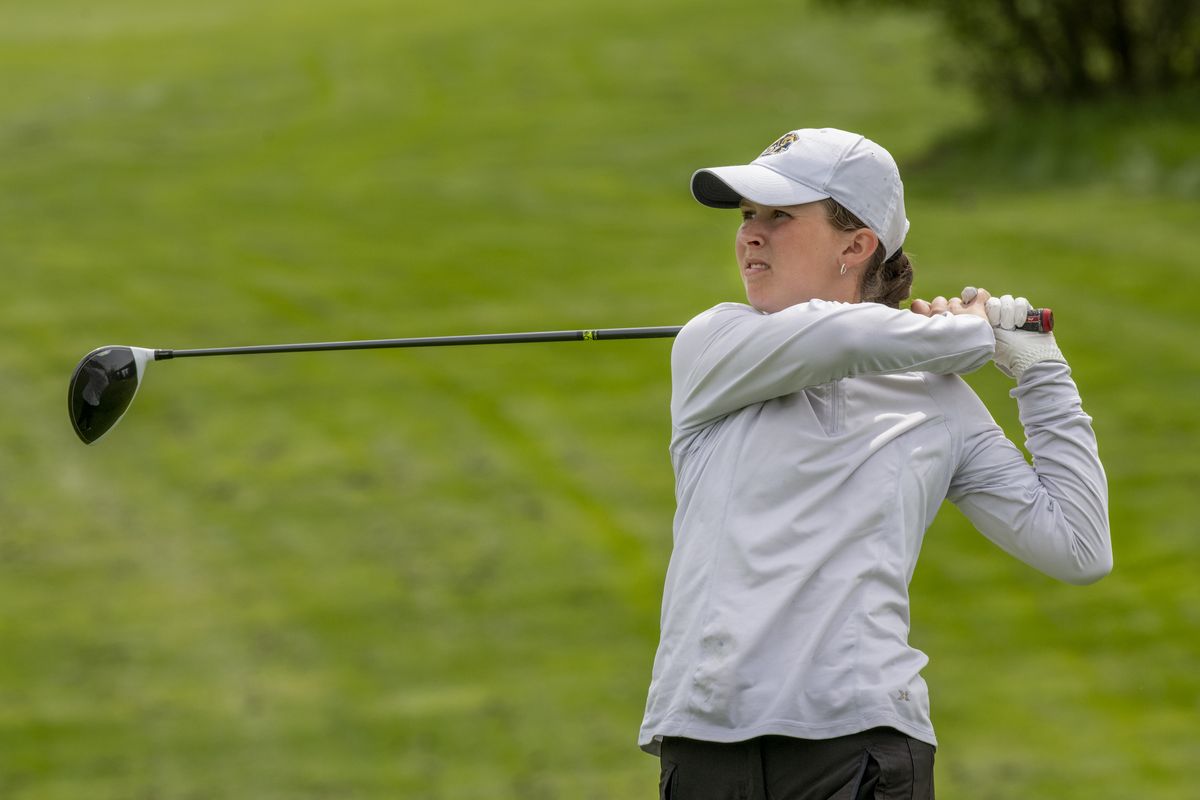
[(1040, 320)]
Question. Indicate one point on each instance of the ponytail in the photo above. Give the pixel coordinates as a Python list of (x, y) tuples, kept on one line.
[(887, 282)]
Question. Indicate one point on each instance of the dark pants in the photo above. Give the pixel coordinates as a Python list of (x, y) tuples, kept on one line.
[(881, 763)]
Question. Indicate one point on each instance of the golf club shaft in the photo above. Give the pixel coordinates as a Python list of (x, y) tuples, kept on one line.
[(601, 334), (1039, 319)]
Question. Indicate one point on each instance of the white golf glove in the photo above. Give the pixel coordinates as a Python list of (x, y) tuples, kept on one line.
[(1016, 350)]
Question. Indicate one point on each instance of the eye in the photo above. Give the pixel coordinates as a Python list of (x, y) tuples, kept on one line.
[(775, 213)]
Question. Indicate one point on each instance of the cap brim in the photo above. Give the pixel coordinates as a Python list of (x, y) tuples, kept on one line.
[(725, 187)]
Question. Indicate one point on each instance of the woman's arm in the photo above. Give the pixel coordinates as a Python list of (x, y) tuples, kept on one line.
[(733, 356), (1053, 514)]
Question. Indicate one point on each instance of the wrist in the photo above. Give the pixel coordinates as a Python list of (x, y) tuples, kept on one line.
[(1033, 355), (1017, 351)]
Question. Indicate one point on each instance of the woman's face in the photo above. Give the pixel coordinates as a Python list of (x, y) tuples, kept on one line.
[(792, 254)]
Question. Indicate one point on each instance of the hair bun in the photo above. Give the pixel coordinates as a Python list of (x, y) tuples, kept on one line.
[(896, 283)]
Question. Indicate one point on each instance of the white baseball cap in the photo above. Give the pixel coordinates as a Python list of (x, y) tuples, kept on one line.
[(810, 164)]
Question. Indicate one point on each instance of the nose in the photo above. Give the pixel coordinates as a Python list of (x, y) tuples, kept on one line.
[(752, 233)]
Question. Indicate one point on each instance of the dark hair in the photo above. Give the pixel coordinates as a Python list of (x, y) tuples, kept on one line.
[(886, 281)]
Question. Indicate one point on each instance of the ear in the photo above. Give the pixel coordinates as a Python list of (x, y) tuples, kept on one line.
[(859, 247)]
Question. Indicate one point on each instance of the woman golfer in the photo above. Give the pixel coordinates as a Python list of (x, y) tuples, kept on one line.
[(815, 433)]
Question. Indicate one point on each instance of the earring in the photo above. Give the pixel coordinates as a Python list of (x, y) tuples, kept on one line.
[(843, 272)]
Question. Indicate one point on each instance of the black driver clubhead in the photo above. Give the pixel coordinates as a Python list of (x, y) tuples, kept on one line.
[(102, 387)]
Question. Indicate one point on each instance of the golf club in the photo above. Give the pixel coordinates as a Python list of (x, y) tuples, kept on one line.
[(106, 379)]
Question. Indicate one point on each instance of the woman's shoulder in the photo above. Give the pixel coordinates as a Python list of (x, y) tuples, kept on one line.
[(723, 310), (714, 319)]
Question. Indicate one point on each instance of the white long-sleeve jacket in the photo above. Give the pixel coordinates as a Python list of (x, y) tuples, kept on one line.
[(812, 448)]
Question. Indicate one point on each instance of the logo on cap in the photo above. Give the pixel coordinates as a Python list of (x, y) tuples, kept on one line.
[(780, 144)]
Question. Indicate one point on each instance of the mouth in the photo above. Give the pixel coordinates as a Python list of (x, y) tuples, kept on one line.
[(754, 267)]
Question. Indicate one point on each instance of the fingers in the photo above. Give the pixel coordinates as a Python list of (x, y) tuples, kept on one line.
[(992, 307), (1021, 309), (1013, 311), (927, 308), (1007, 312), (973, 300), (972, 295)]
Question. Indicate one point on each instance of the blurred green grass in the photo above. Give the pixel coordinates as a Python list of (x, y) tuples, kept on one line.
[(436, 574)]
